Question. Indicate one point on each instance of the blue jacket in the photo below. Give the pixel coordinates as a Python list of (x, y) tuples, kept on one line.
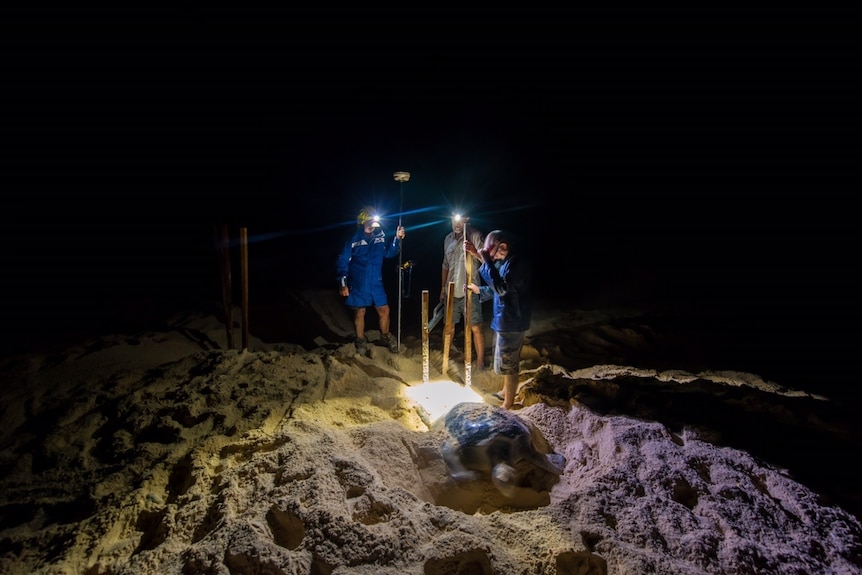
[(360, 266), (510, 283)]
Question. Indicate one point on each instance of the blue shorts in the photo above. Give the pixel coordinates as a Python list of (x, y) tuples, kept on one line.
[(507, 352), (358, 299)]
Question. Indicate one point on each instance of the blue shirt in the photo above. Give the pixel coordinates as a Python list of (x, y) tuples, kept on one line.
[(510, 283), (360, 266)]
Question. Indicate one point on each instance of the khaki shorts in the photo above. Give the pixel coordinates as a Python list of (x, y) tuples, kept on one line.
[(475, 310)]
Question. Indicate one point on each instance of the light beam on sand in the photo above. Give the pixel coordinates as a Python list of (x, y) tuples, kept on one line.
[(438, 397)]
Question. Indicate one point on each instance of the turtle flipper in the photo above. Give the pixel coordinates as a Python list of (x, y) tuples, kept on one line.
[(556, 463), (506, 479)]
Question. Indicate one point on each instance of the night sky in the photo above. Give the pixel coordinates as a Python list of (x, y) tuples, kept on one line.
[(698, 160)]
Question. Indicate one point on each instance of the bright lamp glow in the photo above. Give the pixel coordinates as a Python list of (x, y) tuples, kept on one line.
[(438, 397)]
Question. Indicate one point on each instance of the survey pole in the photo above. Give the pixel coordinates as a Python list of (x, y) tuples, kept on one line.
[(400, 177)]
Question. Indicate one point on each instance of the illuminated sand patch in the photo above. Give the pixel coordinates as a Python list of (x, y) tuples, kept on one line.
[(438, 397)]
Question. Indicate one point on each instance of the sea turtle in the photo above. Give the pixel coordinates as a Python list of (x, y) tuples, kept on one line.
[(482, 438)]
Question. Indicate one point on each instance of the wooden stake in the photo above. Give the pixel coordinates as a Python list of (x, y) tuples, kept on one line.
[(243, 235), (223, 244), (447, 332), (468, 309), (425, 352)]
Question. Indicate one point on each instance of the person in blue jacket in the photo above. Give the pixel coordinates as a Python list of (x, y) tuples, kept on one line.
[(508, 279), (360, 275)]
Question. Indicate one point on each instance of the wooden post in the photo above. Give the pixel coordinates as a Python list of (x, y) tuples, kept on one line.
[(447, 332), (425, 352), (468, 309), (243, 233), (222, 241)]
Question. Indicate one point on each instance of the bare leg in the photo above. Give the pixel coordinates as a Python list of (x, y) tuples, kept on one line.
[(479, 345), (510, 386), (383, 315), (359, 322)]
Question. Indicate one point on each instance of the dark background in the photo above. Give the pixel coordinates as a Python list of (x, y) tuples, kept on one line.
[(698, 161)]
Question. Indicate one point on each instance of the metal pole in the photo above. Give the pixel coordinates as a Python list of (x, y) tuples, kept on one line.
[(400, 177)]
